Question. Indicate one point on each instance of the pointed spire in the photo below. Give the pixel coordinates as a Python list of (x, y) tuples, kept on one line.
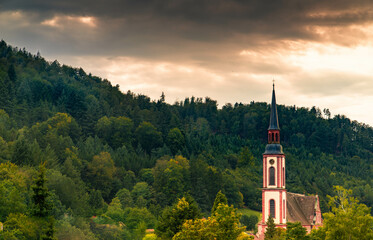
[(273, 122)]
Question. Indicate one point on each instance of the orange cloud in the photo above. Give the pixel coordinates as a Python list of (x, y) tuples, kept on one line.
[(61, 21)]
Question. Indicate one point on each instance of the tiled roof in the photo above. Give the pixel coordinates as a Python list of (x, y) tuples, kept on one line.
[(301, 208)]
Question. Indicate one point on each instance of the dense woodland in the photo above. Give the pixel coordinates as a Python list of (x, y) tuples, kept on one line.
[(108, 165)]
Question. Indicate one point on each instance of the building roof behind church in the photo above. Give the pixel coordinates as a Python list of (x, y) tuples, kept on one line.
[(300, 208), (273, 121)]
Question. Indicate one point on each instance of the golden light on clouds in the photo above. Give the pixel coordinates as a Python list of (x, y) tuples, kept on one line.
[(319, 52), (62, 21)]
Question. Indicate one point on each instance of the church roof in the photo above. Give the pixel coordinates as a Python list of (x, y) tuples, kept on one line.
[(273, 121), (273, 148), (301, 208)]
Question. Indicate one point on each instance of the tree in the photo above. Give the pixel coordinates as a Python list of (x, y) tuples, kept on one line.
[(348, 220), (40, 197), (13, 190), (116, 131), (96, 201), (134, 217), (249, 221), (148, 136), (141, 189), (246, 158), (228, 222), (171, 178), (175, 140), (20, 226), (101, 173), (173, 218), (124, 197), (271, 228), (219, 199), (295, 231), (50, 230), (222, 225)]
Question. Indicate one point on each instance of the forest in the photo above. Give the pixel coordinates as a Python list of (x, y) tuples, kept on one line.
[(87, 161)]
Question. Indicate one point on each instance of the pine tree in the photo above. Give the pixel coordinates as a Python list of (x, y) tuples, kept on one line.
[(271, 228), (41, 194), (50, 231), (220, 198)]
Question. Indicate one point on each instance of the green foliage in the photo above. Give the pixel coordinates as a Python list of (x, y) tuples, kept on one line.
[(173, 218), (135, 216), (170, 178), (13, 190), (249, 221), (295, 231), (22, 227), (98, 143), (66, 231), (348, 218), (125, 198), (150, 236), (246, 158), (101, 173), (40, 197), (140, 190), (115, 211), (271, 228), (223, 224), (175, 140), (96, 201), (116, 131), (219, 199), (148, 136), (72, 194), (50, 231)]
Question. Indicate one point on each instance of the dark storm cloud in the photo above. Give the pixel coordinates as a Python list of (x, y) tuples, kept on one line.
[(211, 20), (226, 49)]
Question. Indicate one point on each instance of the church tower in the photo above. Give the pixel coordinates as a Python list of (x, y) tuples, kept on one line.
[(276, 201), (273, 191)]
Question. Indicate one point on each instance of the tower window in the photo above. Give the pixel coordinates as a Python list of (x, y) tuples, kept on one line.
[(283, 176), (272, 210), (271, 176)]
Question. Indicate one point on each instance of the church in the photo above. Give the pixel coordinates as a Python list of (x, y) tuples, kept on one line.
[(276, 201)]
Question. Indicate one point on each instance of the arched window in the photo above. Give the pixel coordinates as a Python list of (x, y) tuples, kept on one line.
[(273, 137), (276, 137), (272, 210), (283, 176), (271, 176), (283, 207)]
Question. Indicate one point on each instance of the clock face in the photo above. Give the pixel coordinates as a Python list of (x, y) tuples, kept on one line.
[(271, 161)]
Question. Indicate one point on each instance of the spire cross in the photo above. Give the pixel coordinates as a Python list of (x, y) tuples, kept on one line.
[(273, 83)]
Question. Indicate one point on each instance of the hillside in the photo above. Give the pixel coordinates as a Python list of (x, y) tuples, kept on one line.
[(100, 144)]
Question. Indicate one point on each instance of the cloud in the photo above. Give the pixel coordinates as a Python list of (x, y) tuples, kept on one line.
[(62, 21), (188, 30), (230, 50), (166, 21)]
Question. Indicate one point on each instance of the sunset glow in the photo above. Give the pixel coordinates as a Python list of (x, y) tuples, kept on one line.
[(319, 53)]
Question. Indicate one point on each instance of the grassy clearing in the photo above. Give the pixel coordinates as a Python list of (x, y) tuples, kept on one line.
[(248, 212)]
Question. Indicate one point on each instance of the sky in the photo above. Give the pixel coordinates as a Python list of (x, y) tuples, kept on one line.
[(319, 52)]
